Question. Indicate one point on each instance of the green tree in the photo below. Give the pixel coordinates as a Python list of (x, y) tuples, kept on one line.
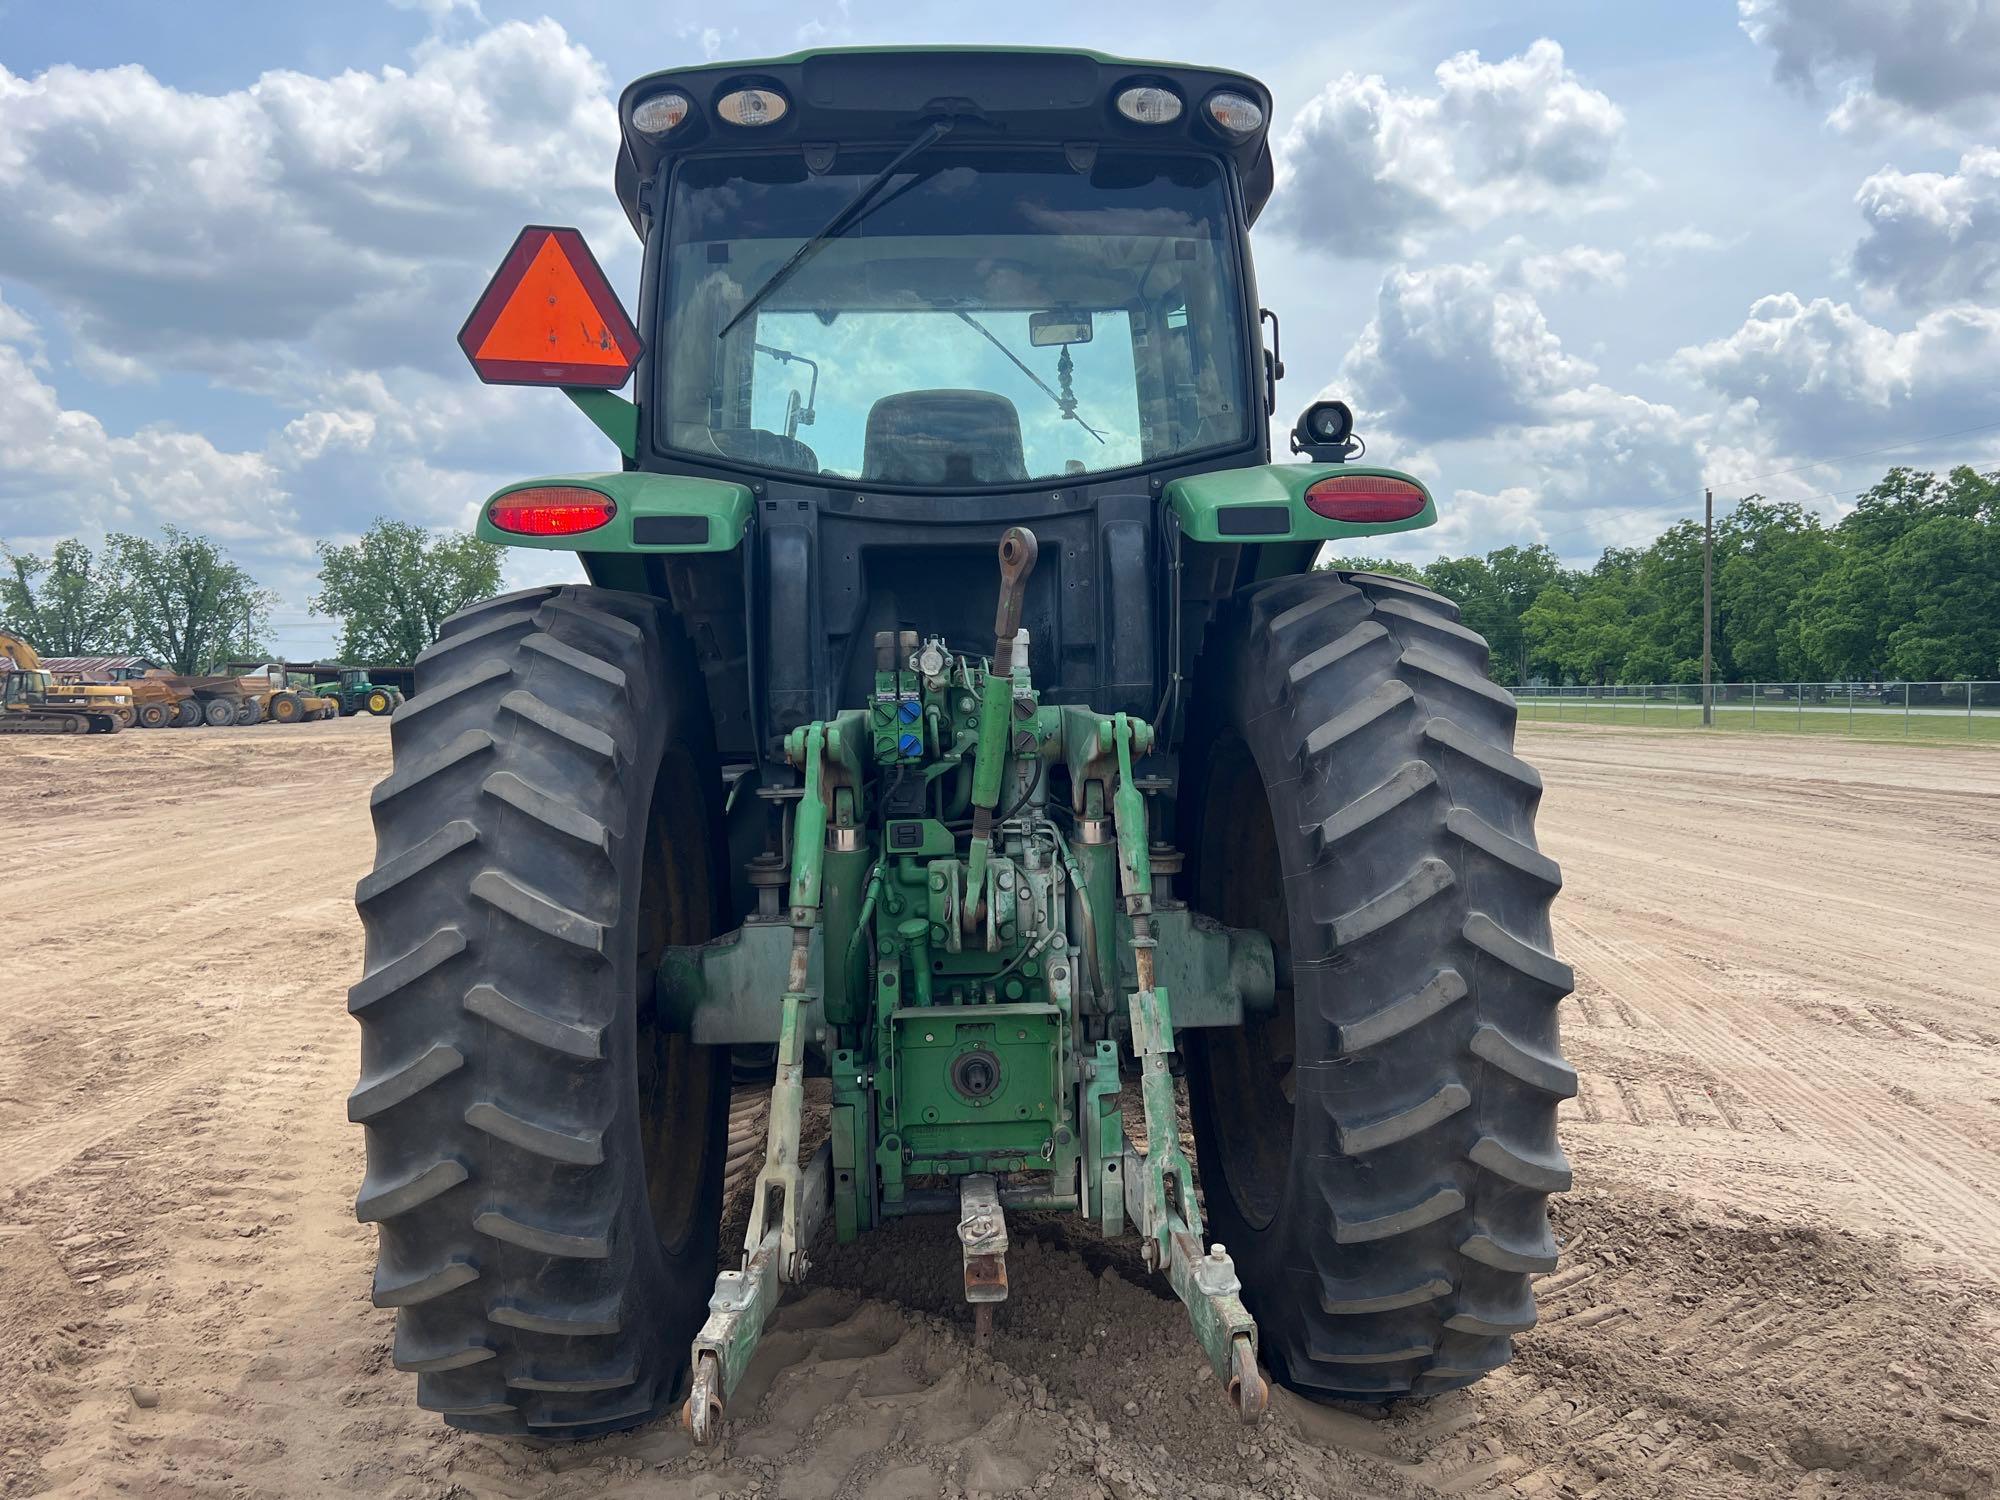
[(1494, 592), (392, 589), (1386, 565), (185, 603), (1914, 588), (68, 604), (1583, 629), (1776, 552)]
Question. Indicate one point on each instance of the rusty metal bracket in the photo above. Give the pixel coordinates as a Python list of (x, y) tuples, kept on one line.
[(982, 1239)]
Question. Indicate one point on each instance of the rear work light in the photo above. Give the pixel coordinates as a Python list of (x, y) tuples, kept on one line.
[(1149, 104), (1364, 497), (1235, 114), (753, 107), (551, 510), (659, 113)]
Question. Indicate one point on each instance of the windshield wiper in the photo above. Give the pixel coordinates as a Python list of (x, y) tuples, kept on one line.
[(1067, 408), (851, 213)]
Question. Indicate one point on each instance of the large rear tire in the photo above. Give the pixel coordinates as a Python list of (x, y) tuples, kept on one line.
[(1377, 1155), (153, 715), (544, 1160), (217, 712), (187, 713)]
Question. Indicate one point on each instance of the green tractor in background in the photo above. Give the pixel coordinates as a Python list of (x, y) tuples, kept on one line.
[(356, 694), (953, 708)]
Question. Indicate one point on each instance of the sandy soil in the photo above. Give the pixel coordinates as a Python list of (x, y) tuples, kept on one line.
[(1782, 1265)]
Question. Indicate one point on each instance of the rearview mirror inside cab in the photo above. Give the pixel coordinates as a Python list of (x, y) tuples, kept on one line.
[(1048, 329)]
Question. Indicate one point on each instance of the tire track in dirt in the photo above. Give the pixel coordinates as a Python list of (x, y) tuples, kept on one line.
[(1961, 1190), (197, 1244)]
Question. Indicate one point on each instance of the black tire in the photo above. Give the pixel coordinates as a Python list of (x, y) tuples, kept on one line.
[(187, 713), (249, 712), (287, 709), (154, 715), (544, 1162), (217, 712), (1378, 1155), (378, 702)]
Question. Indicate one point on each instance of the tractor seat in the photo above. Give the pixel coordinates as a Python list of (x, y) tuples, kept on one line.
[(771, 450), (944, 438)]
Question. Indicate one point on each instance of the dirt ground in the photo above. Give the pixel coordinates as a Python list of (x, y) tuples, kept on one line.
[(1781, 1270)]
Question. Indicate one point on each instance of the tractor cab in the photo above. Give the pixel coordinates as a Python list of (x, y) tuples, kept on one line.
[(952, 273)]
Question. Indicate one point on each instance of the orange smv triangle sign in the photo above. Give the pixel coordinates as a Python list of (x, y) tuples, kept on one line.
[(549, 317)]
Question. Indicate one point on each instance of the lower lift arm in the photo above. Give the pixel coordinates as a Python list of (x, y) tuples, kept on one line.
[(1159, 1186)]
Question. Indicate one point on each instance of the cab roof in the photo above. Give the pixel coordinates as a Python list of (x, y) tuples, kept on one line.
[(884, 95)]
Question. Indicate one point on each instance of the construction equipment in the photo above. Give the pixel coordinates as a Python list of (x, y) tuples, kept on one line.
[(294, 698), (36, 703), (156, 702), (270, 692), (996, 756), (356, 694), (104, 703)]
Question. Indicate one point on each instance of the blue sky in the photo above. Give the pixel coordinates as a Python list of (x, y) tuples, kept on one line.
[(1570, 261)]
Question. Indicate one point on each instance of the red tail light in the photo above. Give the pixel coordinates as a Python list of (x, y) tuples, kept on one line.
[(1364, 497), (551, 510)]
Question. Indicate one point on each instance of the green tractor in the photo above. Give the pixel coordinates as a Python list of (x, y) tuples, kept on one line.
[(953, 709), (356, 694)]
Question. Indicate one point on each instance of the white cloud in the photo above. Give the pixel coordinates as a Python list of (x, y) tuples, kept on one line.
[(1463, 354), (438, 12), (416, 447), (1580, 268), (62, 473), (1657, 249), (1454, 352), (1820, 376), (1898, 64), (711, 39), (1368, 168), (1932, 237), (258, 235), (835, 26)]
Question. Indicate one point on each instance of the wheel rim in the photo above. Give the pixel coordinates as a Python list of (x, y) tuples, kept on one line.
[(1248, 1070), (677, 1079)]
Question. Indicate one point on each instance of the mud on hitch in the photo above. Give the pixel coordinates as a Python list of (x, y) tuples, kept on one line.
[(979, 939)]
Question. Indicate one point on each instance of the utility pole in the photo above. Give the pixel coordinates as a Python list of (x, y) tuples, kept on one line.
[(1707, 605)]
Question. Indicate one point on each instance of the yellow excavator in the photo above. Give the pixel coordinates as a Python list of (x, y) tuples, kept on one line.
[(33, 702)]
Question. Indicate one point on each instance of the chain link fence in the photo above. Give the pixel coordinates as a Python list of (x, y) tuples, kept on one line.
[(1865, 710)]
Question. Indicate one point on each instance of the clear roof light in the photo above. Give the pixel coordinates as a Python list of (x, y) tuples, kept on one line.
[(752, 106), (1236, 114), (1149, 104), (659, 113)]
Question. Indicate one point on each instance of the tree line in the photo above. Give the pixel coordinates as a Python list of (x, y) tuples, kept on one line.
[(180, 600), (1905, 587)]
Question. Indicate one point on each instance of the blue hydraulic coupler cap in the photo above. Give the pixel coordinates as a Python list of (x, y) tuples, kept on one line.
[(909, 710), (911, 744)]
